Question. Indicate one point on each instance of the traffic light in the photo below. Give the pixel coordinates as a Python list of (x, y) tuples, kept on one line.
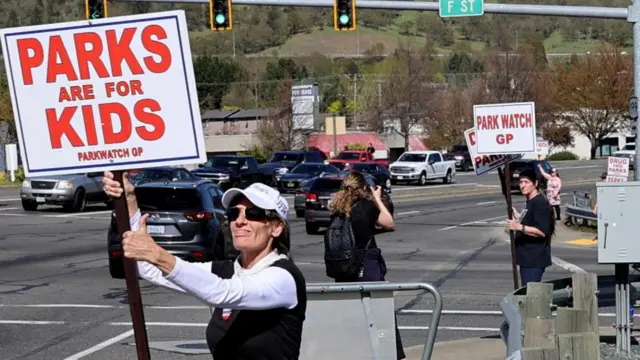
[(220, 15), (96, 9), (344, 14)]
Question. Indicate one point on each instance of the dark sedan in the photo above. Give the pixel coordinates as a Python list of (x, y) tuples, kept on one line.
[(290, 182), (379, 172)]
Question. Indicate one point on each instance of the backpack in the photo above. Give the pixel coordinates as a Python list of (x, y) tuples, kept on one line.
[(341, 257)]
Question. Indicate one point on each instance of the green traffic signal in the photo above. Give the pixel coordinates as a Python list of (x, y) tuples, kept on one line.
[(220, 19), (344, 19)]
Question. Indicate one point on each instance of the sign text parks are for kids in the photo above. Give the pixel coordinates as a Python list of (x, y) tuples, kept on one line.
[(505, 128), (112, 94)]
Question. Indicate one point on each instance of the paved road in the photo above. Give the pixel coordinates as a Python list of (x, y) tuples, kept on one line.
[(57, 299)]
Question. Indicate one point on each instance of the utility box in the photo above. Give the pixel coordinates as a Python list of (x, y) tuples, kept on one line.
[(618, 222)]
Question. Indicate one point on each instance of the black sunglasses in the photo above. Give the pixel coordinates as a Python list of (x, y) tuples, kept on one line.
[(250, 213)]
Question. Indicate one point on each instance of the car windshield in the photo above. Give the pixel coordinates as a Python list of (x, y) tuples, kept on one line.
[(348, 156), (322, 184), (222, 162), (459, 148), (413, 158), (285, 157), (629, 147), (305, 169), (153, 175), (167, 199)]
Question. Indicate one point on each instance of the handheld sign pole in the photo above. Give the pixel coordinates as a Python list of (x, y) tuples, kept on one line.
[(131, 277), (507, 195)]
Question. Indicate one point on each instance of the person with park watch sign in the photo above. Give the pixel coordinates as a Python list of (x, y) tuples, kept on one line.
[(534, 226)]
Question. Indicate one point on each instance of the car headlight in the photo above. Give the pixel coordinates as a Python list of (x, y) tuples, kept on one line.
[(65, 185), (26, 183), (459, 157), (224, 177), (282, 171)]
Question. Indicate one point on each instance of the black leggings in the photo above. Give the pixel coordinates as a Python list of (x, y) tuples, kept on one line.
[(557, 209)]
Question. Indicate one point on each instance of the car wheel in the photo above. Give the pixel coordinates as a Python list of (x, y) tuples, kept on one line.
[(447, 179), (79, 203), (311, 228), (116, 268), (300, 213), (28, 205), (387, 184), (423, 179), (465, 166)]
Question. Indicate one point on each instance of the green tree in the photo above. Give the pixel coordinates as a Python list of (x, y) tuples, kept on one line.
[(214, 76)]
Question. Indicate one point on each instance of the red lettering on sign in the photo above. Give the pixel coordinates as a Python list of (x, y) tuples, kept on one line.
[(89, 47), (144, 111), (504, 138)]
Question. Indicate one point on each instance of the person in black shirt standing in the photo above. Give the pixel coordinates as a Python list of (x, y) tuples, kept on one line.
[(363, 205), (259, 300), (534, 227)]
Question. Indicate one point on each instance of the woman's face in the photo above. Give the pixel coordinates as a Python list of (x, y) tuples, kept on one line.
[(554, 172), (253, 234), (526, 186)]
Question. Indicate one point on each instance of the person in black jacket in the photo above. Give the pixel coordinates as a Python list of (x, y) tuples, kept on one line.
[(534, 226), (260, 299)]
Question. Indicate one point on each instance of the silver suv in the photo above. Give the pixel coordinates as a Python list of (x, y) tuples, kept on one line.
[(73, 192)]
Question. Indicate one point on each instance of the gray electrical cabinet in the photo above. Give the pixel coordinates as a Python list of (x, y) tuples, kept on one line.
[(618, 222)]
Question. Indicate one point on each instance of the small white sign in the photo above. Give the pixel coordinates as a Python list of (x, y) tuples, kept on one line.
[(484, 163), (617, 169), (505, 128), (11, 156), (108, 94), (542, 147)]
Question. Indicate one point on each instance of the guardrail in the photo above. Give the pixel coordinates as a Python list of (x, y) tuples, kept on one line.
[(369, 293), (581, 209), (562, 296)]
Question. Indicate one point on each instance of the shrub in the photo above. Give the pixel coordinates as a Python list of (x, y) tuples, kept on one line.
[(257, 152), (563, 155), (355, 147)]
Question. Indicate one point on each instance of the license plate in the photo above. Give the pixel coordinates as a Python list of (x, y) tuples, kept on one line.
[(40, 199), (399, 177), (155, 229), (290, 184)]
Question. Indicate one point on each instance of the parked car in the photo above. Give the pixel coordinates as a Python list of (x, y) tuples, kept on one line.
[(290, 182), (186, 218), (72, 192), (350, 157), (518, 166), (163, 173), (379, 172), (318, 200), (422, 166), (231, 171), (300, 198), (460, 154), (628, 151), (283, 162)]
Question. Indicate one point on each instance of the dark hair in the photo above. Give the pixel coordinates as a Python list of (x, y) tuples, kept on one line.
[(557, 172), (533, 176)]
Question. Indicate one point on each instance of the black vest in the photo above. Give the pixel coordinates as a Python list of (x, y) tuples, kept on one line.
[(274, 334)]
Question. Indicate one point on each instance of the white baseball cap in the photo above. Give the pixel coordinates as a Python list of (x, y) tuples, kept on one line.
[(260, 195)]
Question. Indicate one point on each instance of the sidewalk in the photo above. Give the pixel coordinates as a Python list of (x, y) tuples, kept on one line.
[(481, 348), (570, 236)]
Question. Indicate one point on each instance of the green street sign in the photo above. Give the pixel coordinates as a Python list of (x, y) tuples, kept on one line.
[(460, 8)]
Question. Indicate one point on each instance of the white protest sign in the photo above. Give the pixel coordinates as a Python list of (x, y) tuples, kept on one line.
[(107, 94), (505, 128), (484, 163), (542, 147), (617, 169)]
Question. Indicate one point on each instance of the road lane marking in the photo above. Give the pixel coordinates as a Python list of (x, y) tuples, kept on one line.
[(84, 213), (452, 328), (31, 322), (10, 199), (9, 208), (448, 228), (409, 212), (567, 265), (483, 221), (10, 214), (101, 346), (486, 203)]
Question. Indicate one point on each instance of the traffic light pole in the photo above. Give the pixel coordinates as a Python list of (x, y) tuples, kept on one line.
[(630, 14)]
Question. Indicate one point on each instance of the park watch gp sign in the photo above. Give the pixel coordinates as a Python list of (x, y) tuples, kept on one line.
[(108, 94)]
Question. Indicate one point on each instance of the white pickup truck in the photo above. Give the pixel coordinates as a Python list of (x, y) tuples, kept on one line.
[(422, 166)]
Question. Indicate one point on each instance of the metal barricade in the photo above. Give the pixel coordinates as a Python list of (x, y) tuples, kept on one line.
[(581, 209), (336, 311)]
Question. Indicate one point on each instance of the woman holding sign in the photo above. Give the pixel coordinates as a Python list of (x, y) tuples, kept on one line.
[(534, 227), (554, 185), (260, 300)]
